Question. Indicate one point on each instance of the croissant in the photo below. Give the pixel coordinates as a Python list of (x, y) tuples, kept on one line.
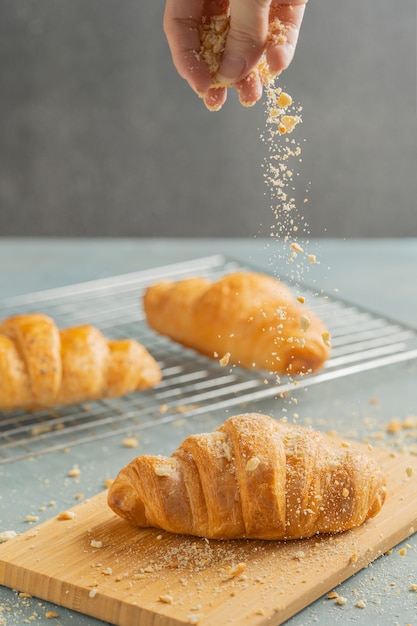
[(41, 366), (254, 477), (251, 317)]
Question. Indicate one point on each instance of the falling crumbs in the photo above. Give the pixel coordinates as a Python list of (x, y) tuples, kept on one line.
[(281, 166), (284, 151)]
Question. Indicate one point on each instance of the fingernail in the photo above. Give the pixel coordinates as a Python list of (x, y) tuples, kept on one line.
[(230, 69)]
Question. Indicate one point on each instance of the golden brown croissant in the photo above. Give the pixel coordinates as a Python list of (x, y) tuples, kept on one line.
[(253, 477), (41, 367), (253, 317)]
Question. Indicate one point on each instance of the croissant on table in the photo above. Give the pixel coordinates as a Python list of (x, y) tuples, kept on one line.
[(252, 318), (254, 477), (42, 367)]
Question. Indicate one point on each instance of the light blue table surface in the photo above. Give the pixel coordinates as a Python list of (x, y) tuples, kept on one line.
[(380, 275)]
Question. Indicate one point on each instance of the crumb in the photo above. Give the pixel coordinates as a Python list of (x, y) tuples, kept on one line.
[(130, 442), (284, 100), (166, 599), (409, 471), (332, 595), (65, 515), (163, 470), (74, 472), (93, 593), (394, 426), (299, 555), (327, 339), (96, 544), (108, 482), (288, 123), (301, 299), (341, 600), (51, 614), (252, 464), (225, 359), (295, 246), (235, 570), (410, 422), (305, 321), (6, 535), (32, 518), (361, 604)]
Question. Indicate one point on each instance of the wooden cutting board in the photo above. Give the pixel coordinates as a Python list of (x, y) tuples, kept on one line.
[(97, 564)]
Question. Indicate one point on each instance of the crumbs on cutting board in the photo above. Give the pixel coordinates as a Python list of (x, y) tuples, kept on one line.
[(201, 564)]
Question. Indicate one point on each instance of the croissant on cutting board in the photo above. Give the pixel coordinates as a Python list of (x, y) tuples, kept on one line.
[(42, 367), (254, 477), (252, 318)]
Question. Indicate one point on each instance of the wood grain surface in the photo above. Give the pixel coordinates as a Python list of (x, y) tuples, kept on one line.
[(97, 564)]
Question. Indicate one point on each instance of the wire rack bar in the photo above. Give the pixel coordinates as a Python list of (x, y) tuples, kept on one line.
[(192, 384)]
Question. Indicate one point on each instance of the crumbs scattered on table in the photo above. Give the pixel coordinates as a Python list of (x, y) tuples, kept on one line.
[(74, 472), (51, 614), (130, 442), (361, 604)]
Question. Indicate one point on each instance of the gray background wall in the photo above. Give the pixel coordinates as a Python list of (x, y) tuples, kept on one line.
[(100, 136)]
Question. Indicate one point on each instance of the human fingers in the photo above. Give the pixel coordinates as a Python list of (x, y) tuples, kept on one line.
[(215, 98), (246, 39), (285, 21), (249, 89), (182, 19)]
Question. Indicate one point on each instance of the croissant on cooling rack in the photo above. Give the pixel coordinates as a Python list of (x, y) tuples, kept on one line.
[(254, 477), (42, 367), (252, 318)]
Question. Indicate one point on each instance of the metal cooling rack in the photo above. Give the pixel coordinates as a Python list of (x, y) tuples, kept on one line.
[(192, 384)]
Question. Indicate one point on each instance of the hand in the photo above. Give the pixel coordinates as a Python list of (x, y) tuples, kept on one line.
[(245, 43)]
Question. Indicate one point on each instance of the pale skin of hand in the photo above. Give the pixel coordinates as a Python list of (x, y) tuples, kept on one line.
[(245, 44)]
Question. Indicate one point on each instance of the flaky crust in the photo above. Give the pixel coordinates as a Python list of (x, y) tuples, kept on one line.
[(251, 316), (254, 477), (42, 367)]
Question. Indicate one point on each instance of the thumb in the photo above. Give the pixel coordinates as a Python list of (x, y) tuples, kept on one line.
[(246, 39)]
